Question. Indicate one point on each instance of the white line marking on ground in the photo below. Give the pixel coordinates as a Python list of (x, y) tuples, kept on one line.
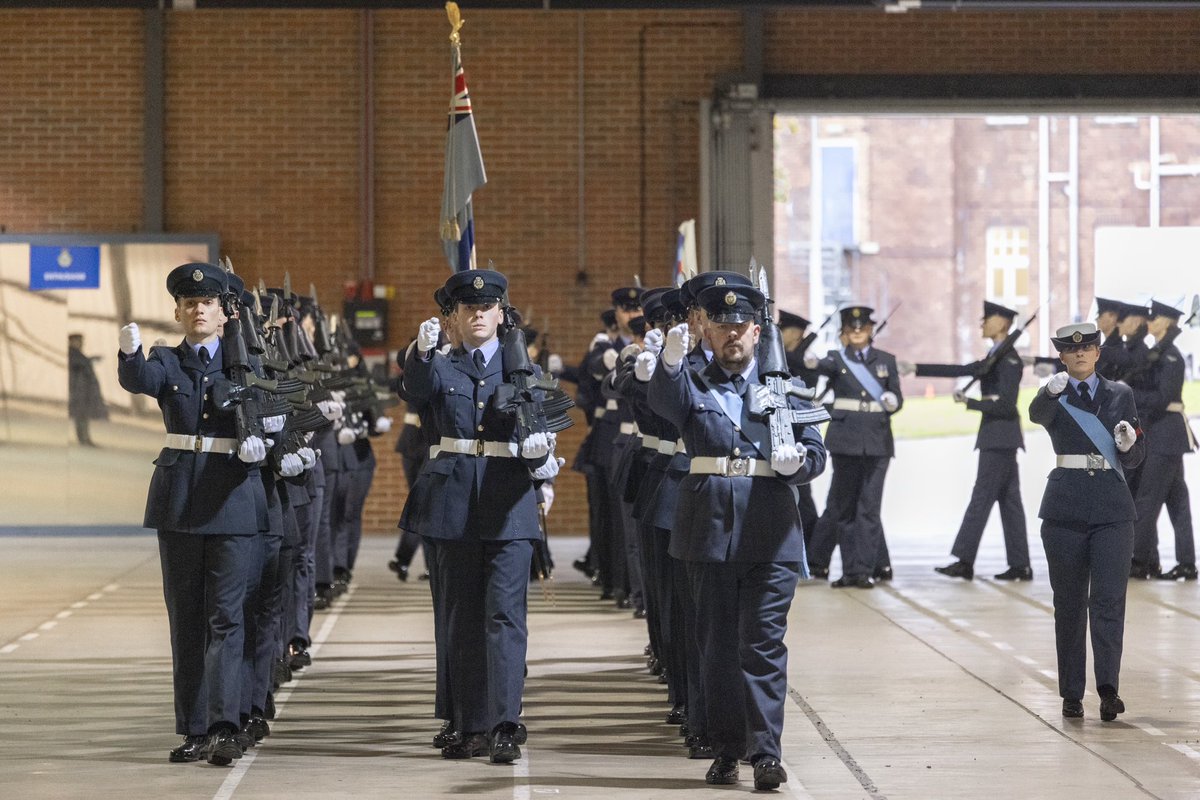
[(1048, 674), (79, 604), (63, 614), (1027, 661), (48, 626), (8, 648), (1185, 750), (1150, 729), (795, 787), (95, 596), (28, 637), (1002, 645)]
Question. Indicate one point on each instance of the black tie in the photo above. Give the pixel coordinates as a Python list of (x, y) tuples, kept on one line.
[(480, 361), (1085, 394), (205, 357), (737, 381), (861, 356)]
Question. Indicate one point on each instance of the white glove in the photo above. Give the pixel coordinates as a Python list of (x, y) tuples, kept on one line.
[(811, 361), (548, 495), (906, 367), (332, 409), (960, 396), (788, 459), (653, 340), (252, 450), (346, 436), (1056, 384), (1044, 370), (308, 457), (130, 339), (548, 470), (677, 344), (599, 339), (643, 368), (630, 351), (383, 424), (1125, 436), (274, 424), (290, 465), (535, 446), (554, 363), (889, 401), (610, 358), (427, 336)]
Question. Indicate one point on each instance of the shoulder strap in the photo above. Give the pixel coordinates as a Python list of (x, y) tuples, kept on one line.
[(863, 376), (1095, 431)]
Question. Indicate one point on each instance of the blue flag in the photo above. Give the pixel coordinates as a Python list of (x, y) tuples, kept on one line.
[(464, 174)]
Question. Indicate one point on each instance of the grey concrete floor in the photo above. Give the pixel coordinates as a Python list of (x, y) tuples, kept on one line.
[(926, 688)]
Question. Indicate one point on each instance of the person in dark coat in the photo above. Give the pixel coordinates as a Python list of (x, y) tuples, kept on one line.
[(208, 505), (740, 532), (1087, 515), (84, 400), (794, 328), (481, 505), (999, 439)]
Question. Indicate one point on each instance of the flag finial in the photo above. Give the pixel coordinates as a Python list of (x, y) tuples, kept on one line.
[(456, 21)]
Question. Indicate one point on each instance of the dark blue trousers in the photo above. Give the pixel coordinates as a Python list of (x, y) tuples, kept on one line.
[(348, 533), (683, 619), (1162, 477), (741, 619), (443, 704), (485, 586), (997, 481), (1089, 573), (853, 510), (331, 512), (204, 586)]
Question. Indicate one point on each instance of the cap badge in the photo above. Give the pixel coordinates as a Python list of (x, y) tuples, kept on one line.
[(197, 275), (730, 299), (478, 282), (719, 282), (633, 294), (856, 313), (1077, 337)]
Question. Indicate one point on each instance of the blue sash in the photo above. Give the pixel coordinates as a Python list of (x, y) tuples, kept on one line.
[(863, 376), (1095, 431)]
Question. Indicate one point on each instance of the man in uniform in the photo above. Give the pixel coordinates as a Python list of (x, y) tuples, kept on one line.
[(1087, 515), (207, 503), (739, 533), (866, 389), (1158, 392), (793, 327), (481, 505), (997, 481)]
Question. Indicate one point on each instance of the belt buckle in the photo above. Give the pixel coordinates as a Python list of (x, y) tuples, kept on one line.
[(864, 406), (1094, 461), (738, 466), (479, 447), (198, 444)]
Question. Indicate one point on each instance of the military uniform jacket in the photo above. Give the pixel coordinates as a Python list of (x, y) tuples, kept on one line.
[(205, 493), (649, 466), (860, 433), (1114, 358), (666, 496), (1094, 497), (1000, 427), (739, 518), (470, 497), (1167, 432)]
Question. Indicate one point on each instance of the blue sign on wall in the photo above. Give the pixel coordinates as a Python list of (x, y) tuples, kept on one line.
[(64, 267)]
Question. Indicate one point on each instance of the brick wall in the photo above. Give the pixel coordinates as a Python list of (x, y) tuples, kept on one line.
[(263, 133)]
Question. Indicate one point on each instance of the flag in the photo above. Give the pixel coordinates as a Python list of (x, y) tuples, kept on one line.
[(464, 174), (685, 252)]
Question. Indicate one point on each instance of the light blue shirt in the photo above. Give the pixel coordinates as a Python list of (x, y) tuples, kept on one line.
[(1093, 381), (211, 347), (489, 349), (731, 400)]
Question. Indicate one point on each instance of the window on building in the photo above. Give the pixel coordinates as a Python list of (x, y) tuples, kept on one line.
[(1008, 264), (838, 207)]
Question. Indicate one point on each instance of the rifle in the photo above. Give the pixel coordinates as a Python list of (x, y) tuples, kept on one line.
[(239, 370), (773, 372), (880, 327), (1001, 351), (1160, 347), (517, 396), (811, 336)]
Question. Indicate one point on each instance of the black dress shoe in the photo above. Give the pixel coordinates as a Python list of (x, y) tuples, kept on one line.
[(624, 602), (1015, 574), (1110, 703), (768, 773), (521, 736), (855, 581), (257, 727), (324, 597), (503, 747), (882, 574), (190, 749), (222, 748), (584, 567), (1072, 709), (700, 749), (468, 746), (677, 714), (818, 572), (959, 569), (424, 576), (639, 613), (269, 710), (446, 736), (1144, 572), (398, 568), (1179, 572), (723, 772), (298, 655), (281, 672), (686, 733), (606, 594), (244, 739)]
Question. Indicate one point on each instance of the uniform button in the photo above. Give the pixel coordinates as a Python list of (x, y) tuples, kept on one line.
[(480, 429), (483, 383), (862, 394), (843, 371), (479, 404), (702, 405), (205, 415), (206, 380), (174, 388), (451, 390), (737, 428), (737, 451)]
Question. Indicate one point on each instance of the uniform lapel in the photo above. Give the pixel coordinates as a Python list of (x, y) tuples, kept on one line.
[(461, 362), (496, 365), (188, 358)]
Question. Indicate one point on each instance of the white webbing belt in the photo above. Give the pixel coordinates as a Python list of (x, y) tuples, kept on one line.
[(992, 397), (628, 428), (1088, 462), (666, 447), (1175, 408), (412, 419), (731, 467), (599, 412), (201, 444), (477, 447), (866, 406), (611, 404), (650, 442)]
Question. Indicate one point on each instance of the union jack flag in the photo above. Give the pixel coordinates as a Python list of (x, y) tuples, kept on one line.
[(464, 174)]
